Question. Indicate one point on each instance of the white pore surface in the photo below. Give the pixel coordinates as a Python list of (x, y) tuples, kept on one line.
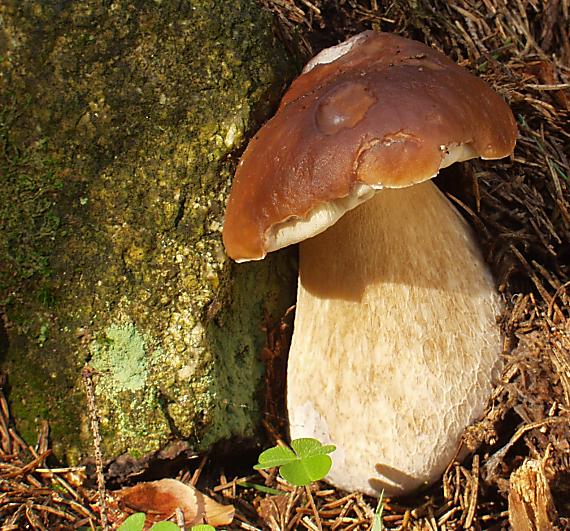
[(395, 346), (325, 215), (318, 219)]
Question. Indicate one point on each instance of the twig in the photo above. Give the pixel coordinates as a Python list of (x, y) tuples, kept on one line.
[(180, 522), (87, 375), (314, 507)]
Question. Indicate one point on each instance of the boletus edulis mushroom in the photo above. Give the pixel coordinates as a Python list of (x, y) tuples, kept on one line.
[(395, 345)]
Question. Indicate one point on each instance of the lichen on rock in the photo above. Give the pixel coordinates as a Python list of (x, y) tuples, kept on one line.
[(139, 108)]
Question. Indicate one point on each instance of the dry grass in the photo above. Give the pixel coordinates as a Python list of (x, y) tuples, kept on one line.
[(521, 210), (33, 495)]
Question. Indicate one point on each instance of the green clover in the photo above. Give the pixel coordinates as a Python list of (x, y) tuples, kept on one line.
[(136, 521), (306, 461)]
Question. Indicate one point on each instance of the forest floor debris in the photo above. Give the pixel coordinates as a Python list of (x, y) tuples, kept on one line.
[(520, 208)]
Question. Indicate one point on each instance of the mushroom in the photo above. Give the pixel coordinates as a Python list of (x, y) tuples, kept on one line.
[(396, 345)]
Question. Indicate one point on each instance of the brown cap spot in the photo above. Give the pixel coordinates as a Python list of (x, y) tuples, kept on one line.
[(384, 114), (343, 107)]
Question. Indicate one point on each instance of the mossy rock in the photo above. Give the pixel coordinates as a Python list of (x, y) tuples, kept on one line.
[(120, 129)]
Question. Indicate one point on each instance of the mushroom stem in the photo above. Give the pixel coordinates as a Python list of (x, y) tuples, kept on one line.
[(396, 344)]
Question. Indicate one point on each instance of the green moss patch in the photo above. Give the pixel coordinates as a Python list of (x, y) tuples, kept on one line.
[(144, 107)]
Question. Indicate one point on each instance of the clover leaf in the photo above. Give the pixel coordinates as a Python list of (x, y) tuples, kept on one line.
[(135, 522), (306, 461), (165, 526)]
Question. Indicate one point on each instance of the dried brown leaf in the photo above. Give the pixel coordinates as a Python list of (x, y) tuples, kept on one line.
[(160, 499)]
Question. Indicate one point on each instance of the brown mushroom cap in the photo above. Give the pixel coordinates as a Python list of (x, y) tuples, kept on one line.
[(389, 112)]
